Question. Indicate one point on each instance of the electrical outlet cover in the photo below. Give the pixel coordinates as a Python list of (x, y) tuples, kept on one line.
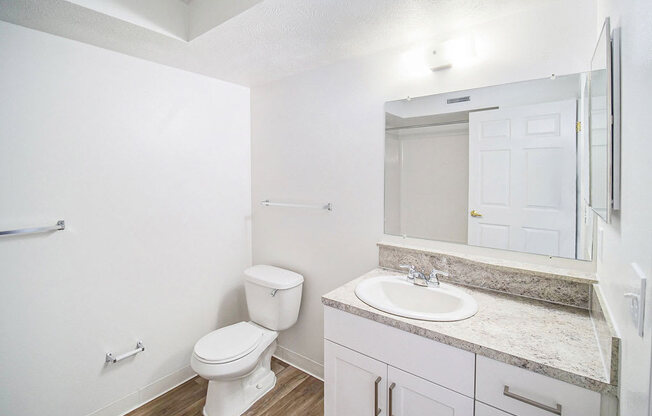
[(637, 307)]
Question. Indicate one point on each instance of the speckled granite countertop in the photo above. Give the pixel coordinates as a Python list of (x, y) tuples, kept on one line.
[(554, 340)]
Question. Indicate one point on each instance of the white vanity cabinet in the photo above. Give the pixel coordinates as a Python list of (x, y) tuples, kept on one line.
[(358, 385), (378, 370)]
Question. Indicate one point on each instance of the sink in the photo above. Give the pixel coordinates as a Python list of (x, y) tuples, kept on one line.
[(398, 296)]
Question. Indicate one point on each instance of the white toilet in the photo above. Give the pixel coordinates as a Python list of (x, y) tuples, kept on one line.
[(236, 359)]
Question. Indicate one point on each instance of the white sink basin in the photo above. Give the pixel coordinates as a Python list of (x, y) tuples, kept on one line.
[(398, 296)]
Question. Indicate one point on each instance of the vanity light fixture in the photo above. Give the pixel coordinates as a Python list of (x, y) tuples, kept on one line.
[(458, 52), (440, 67), (424, 59)]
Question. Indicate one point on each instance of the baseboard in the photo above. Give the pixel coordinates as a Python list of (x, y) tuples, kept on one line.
[(146, 394), (301, 362)]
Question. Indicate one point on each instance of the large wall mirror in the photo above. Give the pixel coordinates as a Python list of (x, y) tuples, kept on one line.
[(504, 167)]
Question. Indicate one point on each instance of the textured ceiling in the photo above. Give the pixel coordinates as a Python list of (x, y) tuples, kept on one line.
[(273, 39)]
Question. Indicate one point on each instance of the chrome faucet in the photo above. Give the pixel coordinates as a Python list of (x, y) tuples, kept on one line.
[(421, 279), (414, 275)]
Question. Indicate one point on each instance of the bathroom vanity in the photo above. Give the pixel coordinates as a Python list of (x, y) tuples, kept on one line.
[(515, 356)]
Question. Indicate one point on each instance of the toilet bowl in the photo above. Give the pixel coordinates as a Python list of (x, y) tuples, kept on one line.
[(236, 359)]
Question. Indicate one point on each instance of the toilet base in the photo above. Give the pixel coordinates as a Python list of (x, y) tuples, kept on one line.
[(234, 397)]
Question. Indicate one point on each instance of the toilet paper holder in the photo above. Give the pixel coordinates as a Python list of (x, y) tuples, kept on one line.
[(110, 358)]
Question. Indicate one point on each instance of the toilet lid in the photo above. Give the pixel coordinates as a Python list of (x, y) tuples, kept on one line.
[(272, 277), (228, 343)]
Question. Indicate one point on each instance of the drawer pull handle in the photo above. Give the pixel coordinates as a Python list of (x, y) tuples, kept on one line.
[(376, 408), (554, 410), (391, 391)]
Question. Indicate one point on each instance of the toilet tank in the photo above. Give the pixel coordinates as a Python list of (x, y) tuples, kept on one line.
[(273, 296)]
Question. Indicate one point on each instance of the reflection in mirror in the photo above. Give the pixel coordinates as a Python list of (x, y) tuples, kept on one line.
[(502, 167), (600, 127)]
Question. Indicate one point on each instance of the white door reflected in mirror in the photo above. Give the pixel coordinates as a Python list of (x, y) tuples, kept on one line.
[(522, 176)]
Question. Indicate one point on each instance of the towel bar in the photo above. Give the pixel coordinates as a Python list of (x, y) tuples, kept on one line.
[(268, 203), (61, 225)]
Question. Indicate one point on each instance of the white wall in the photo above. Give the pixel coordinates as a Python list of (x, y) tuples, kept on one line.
[(629, 237), (392, 184), (150, 168), (435, 184), (319, 137)]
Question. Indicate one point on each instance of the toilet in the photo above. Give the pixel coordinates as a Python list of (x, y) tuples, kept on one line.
[(236, 360)]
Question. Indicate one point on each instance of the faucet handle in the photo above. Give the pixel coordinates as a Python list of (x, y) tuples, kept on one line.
[(435, 273), (411, 270)]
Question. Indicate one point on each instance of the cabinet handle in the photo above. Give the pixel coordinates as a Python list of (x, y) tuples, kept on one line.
[(376, 408), (391, 391), (554, 410)]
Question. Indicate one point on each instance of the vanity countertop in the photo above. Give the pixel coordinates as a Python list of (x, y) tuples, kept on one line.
[(554, 340)]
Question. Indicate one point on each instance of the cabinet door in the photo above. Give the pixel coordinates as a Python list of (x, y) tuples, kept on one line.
[(355, 385), (414, 396), (482, 409)]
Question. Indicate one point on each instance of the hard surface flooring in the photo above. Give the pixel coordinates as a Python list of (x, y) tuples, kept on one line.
[(296, 393)]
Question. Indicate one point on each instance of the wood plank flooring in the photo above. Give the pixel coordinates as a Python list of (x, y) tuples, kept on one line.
[(296, 393)]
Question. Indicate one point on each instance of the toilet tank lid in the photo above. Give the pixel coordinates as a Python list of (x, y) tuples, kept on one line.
[(273, 277)]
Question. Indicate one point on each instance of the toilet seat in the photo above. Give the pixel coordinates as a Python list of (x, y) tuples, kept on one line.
[(228, 344)]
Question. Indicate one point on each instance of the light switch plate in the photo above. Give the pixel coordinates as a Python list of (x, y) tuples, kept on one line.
[(637, 300)]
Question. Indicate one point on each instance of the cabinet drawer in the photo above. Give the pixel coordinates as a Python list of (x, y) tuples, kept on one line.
[(482, 409), (442, 364), (524, 393)]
